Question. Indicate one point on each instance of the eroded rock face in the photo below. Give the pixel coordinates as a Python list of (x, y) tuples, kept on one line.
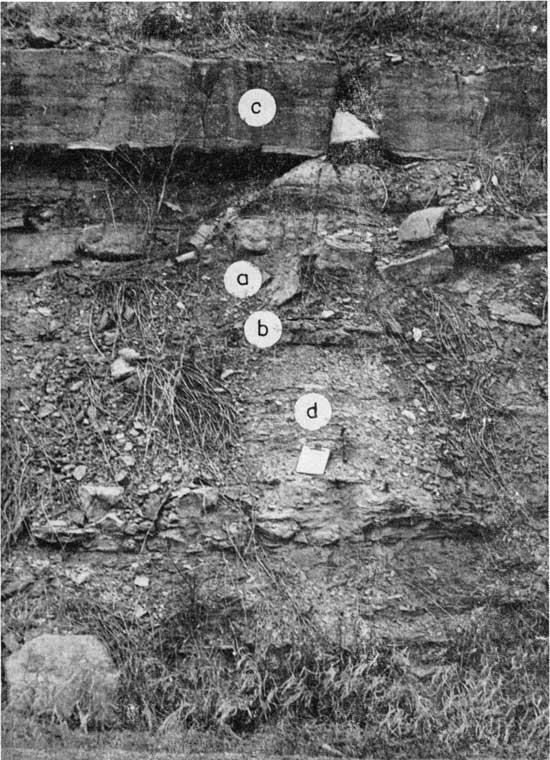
[(109, 243), (251, 236), (160, 100), (494, 236), (464, 111), (27, 253), (431, 266), (56, 674), (318, 184), (421, 225)]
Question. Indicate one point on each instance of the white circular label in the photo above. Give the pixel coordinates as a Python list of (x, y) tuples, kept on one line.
[(263, 329), (312, 411), (257, 107), (242, 279)]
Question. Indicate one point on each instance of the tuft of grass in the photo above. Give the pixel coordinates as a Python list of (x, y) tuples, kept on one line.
[(176, 391), (459, 391), (16, 483), (209, 659)]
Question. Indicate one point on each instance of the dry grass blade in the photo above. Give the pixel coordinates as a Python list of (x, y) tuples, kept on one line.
[(179, 398), (17, 486)]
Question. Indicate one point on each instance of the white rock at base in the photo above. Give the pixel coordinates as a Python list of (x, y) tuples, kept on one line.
[(121, 369), (346, 128), (421, 225)]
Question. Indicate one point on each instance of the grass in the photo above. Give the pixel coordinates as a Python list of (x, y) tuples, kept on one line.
[(455, 365), (16, 486), (218, 662), (33, 481), (176, 391), (329, 27)]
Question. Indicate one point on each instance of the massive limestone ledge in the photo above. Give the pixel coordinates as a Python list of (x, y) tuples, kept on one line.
[(85, 99)]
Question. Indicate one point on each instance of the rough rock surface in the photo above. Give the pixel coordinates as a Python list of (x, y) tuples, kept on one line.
[(251, 236), (41, 37), (346, 128), (318, 184), (337, 254), (421, 225), (158, 100), (108, 242), (27, 253), (511, 313), (490, 235), (428, 111), (62, 674), (429, 267), (286, 282)]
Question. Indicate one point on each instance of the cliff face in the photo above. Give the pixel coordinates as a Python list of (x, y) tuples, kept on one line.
[(102, 99), (79, 99)]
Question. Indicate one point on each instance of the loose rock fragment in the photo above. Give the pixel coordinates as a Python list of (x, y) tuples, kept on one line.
[(129, 354), (107, 495), (58, 533), (251, 236), (510, 313), (79, 472), (421, 225), (120, 369), (286, 283), (201, 237), (186, 258), (41, 37), (428, 267), (352, 187), (346, 128), (55, 675)]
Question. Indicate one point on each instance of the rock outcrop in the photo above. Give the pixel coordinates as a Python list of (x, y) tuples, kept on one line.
[(85, 99)]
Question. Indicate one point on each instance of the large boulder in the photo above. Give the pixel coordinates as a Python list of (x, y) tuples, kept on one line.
[(60, 675)]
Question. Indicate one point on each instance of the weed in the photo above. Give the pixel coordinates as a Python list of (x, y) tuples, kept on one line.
[(211, 657), (175, 391), (17, 487)]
